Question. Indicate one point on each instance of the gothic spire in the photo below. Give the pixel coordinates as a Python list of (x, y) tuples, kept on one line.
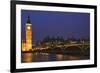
[(28, 20)]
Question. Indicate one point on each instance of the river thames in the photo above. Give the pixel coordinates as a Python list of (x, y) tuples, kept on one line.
[(45, 57)]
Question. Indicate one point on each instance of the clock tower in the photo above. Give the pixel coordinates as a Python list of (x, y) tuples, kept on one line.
[(28, 29)]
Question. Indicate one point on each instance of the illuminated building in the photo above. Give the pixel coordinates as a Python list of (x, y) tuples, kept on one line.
[(23, 45), (27, 45)]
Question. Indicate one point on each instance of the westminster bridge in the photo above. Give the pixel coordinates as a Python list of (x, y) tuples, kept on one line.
[(82, 46)]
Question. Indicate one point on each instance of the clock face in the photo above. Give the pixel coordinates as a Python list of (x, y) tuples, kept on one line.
[(28, 27)]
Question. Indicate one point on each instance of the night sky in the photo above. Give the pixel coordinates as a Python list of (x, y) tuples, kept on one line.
[(52, 23)]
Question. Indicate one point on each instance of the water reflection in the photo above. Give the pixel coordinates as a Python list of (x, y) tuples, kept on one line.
[(27, 57), (71, 57), (43, 57), (59, 57)]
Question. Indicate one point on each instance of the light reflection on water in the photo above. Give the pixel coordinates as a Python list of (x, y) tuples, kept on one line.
[(43, 57), (27, 57)]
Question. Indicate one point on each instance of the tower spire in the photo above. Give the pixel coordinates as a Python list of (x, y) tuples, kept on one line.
[(28, 20)]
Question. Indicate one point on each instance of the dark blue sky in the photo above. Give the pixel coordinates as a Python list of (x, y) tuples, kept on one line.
[(52, 23)]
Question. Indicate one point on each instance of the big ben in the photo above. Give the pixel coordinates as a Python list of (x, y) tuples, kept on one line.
[(28, 29)]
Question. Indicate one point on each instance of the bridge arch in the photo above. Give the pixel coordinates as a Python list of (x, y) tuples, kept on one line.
[(73, 47), (88, 47)]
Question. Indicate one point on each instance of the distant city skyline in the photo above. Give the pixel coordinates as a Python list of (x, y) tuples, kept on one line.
[(53, 24)]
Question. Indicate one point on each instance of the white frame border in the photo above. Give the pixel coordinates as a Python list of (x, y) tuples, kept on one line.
[(20, 65)]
